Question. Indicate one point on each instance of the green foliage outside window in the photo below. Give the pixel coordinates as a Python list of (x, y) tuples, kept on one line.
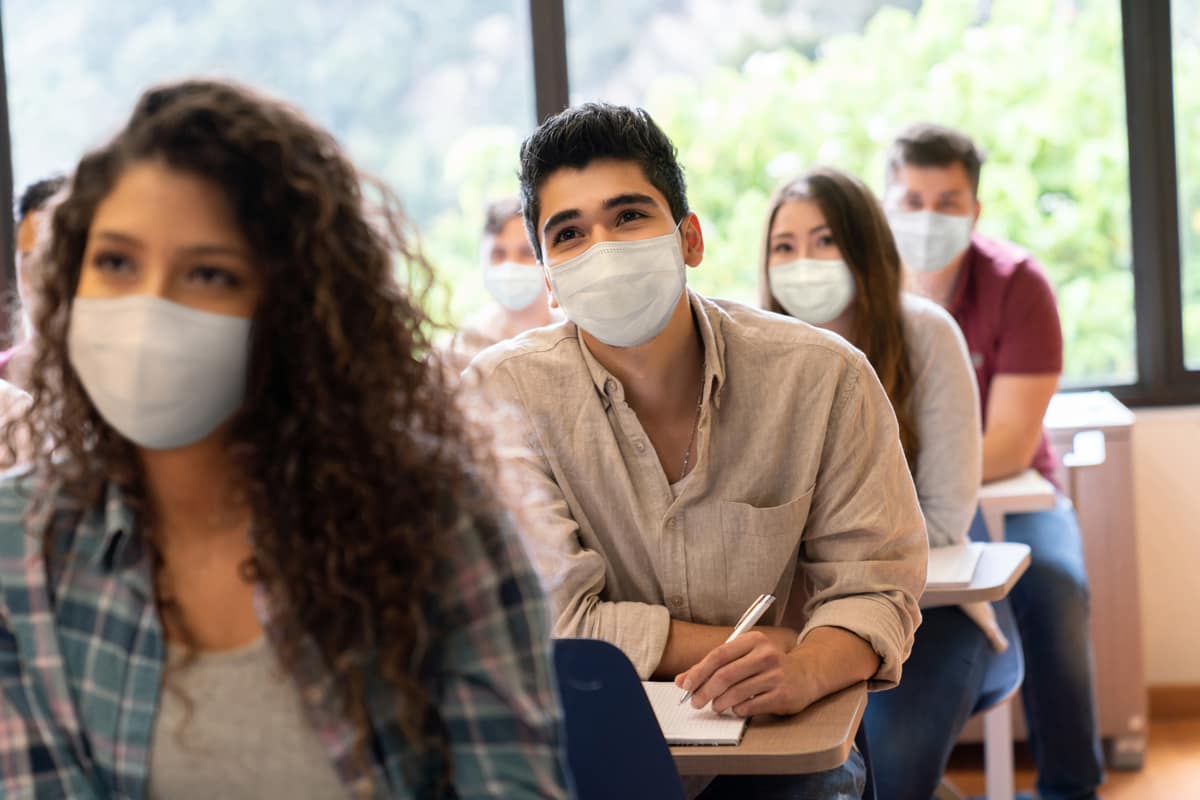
[(1039, 84)]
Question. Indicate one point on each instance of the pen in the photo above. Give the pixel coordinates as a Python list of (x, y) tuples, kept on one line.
[(749, 619)]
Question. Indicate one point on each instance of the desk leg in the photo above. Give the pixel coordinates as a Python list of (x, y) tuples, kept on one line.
[(998, 752), (994, 521)]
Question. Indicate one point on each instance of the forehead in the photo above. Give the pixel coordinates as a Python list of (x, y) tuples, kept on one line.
[(512, 230), (798, 216), (586, 188), (949, 177), (151, 197)]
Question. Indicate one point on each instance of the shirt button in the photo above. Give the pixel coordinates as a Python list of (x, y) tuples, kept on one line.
[(676, 600), (670, 522), (610, 386), (639, 445)]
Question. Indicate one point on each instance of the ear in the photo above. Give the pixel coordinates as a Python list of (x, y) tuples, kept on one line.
[(693, 240), (978, 211), (549, 290)]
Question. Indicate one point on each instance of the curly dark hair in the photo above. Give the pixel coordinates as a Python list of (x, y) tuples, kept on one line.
[(351, 450)]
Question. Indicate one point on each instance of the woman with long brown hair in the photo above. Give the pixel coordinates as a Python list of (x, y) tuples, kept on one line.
[(829, 259), (256, 553)]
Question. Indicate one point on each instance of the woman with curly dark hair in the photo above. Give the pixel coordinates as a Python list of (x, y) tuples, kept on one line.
[(255, 554)]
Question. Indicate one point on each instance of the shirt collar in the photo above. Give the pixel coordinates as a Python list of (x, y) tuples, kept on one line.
[(708, 319), (109, 542)]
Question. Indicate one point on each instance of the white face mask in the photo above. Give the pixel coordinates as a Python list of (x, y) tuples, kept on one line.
[(928, 241), (812, 290), (623, 293), (161, 374), (515, 286)]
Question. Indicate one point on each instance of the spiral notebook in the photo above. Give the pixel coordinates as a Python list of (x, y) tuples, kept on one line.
[(682, 724)]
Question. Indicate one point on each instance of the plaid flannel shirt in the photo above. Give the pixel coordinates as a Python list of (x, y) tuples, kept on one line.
[(82, 654)]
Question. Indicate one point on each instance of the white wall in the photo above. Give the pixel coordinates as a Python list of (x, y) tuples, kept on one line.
[(1166, 468)]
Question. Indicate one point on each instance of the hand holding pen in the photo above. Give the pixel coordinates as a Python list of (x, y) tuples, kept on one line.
[(748, 620)]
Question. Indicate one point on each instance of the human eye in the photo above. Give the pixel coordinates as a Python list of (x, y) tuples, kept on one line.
[(781, 247), (565, 235), (112, 262), (217, 277), (629, 215)]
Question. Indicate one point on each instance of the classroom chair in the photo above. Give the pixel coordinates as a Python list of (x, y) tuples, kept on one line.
[(615, 748), (1001, 683)]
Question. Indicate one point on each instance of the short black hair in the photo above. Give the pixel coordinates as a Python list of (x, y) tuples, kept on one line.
[(580, 135), (928, 145), (38, 194), (498, 213)]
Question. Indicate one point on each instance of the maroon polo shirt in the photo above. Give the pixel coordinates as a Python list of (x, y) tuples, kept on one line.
[(1005, 306)]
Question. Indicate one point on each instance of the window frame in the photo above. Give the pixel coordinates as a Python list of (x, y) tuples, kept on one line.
[(8, 228), (1163, 377)]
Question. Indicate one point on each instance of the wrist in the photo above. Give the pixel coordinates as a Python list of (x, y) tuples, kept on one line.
[(783, 638)]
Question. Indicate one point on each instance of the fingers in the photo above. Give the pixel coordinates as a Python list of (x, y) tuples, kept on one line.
[(729, 665), (743, 691), (717, 658), (773, 702)]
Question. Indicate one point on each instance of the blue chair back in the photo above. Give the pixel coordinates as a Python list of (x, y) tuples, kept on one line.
[(615, 747), (1005, 671)]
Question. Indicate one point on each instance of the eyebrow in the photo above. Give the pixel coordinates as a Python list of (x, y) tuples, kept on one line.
[(559, 218), (196, 250), (790, 235), (118, 237), (626, 199)]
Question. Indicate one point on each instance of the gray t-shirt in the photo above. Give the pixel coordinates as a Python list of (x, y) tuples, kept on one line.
[(243, 736), (945, 404)]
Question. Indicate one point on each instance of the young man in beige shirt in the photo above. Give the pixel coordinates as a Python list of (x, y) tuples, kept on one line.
[(683, 455)]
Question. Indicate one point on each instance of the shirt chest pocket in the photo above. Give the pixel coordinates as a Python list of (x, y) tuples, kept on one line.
[(761, 546)]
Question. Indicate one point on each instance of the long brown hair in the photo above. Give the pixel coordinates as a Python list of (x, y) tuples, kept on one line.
[(351, 453), (861, 232)]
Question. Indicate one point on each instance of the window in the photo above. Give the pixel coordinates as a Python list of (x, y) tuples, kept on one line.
[(433, 98), (755, 91), (1185, 15)]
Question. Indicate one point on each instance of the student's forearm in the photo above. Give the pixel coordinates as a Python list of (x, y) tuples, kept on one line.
[(832, 659), (689, 642), (1007, 452)]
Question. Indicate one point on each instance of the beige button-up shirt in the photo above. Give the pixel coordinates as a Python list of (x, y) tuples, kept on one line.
[(799, 488)]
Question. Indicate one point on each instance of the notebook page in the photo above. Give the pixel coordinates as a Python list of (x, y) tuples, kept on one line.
[(682, 724), (954, 565)]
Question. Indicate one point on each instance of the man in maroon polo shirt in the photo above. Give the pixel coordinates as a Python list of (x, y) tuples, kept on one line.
[(1004, 303)]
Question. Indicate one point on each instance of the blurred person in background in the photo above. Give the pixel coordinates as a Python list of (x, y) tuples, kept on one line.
[(31, 207), (513, 279)]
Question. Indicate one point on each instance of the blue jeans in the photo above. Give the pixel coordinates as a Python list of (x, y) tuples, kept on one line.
[(840, 783), (1050, 603), (913, 727)]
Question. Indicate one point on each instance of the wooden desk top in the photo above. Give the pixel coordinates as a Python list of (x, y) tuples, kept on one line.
[(1028, 491), (1001, 564), (816, 739)]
